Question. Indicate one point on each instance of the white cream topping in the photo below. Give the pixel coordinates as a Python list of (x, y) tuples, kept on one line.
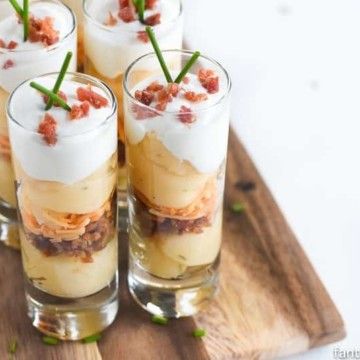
[(204, 142), (34, 58), (83, 145), (113, 48)]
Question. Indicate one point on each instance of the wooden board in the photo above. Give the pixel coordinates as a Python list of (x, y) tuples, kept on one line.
[(271, 301)]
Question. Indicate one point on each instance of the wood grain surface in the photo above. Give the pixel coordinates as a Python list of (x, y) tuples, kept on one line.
[(271, 302)]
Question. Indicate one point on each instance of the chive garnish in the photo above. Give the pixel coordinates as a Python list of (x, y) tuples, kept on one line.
[(140, 7), (159, 319), (56, 99), (24, 14), (49, 340), (237, 207), (12, 347), (60, 79), (187, 67), (158, 53), (91, 339), (198, 333)]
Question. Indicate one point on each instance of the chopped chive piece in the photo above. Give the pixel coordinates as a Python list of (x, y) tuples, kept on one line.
[(198, 333), (25, 18), (49, 340), (12, 346), (56, 99), (91, 339), (237, 207), (17, 7), (159, 319), (60, 79), (187, 67), (158, 53)]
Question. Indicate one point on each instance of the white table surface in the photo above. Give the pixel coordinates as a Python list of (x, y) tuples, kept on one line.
[(295, 66)]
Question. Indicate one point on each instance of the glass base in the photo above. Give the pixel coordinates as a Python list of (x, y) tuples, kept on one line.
[(9, 232), (173, 298), (72, 319)]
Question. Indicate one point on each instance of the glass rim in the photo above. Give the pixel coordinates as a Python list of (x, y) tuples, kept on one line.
[(181, 52), (90, 78), (115, 30), (53, 46)]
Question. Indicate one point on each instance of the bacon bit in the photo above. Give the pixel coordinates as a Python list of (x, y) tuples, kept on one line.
[(47, 128), (161, 106), (153, 20), (60, 94), (95, 99), (43, 30), (166, 95), (80, 111), (127, 14), (173, 89), (186, 80), (8, 64), (208, 80), (142, 112), (185, 115), (155, 87), (123, 3), (143, 36), (150, 4), (145, 97), (194, 97), (12, 45), (111, 20), (2, 44)]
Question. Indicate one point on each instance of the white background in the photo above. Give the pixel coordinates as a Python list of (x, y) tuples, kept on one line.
[(295, 66)]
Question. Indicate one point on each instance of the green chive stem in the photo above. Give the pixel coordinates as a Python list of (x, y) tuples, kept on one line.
[(159, 319), (60, 79), (56, 99), (141, 10), (158, 53), (237, 207), (25, 18), (187, 67), (12, 346), (17, 7), (91, 339), (49, 340), (198, 333)]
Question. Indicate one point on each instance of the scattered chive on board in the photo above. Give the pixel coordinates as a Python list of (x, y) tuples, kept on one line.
[(49, 340), (12, 347), (23, 14), (159, 319), (91, 339), (199, 333), (59, 79), (237, 207)]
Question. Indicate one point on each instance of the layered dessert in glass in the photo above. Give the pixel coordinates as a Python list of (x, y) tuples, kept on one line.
[(65, 166), (52, 34), (176, 145), (114, 36)]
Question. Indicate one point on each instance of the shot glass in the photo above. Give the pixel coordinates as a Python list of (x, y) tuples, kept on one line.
[(111, 47), (17, 64), (176, 146), (66, 174)]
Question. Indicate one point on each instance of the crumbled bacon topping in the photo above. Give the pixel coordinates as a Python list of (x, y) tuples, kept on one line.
[(10, 46), (127, 14), (80, 111), (209, 80), (154, 87), (186, 80), (60, 94), (185, 115), (123, 3), (42, 30), (195, 97), (95, 99), (150, 4), (47, 128), (142, 112), (153, 19), (143, 36), (144, 96), (111, 20), (8, 64)]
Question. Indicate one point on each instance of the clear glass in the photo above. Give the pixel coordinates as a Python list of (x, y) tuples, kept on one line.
[(68, 230), (28, 63), (175, 207), (110, 50)]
